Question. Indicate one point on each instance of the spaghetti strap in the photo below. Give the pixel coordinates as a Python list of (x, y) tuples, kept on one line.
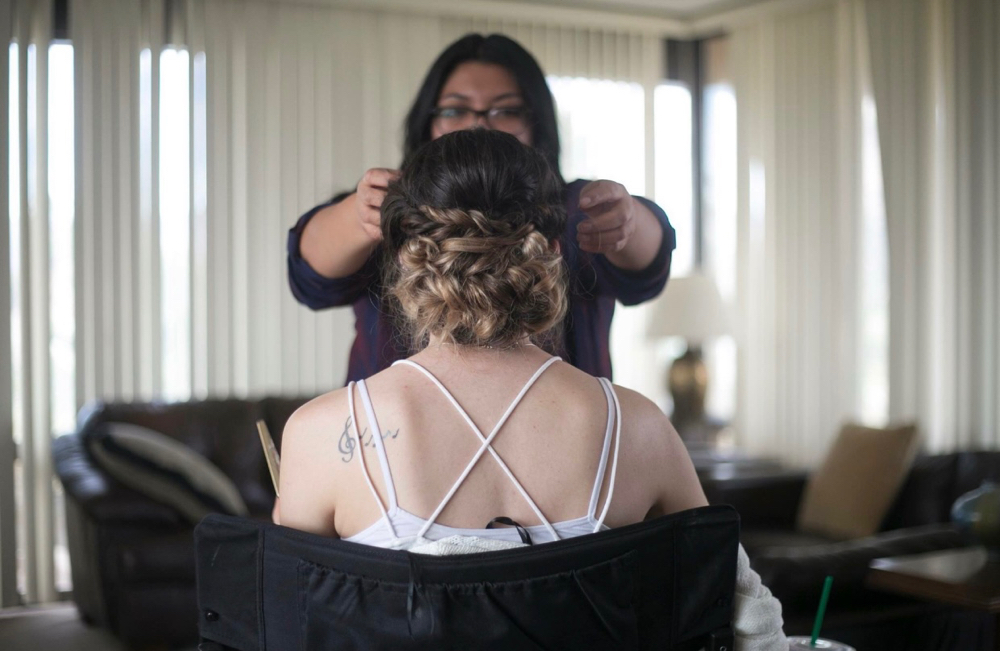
[(376, 433), (608, 387), (486, 444), (602, 466), (361, 460)]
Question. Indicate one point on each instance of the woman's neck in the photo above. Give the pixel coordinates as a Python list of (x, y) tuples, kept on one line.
[(437, 347)]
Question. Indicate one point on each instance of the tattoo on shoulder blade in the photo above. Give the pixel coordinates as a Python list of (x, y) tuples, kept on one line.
[(348, 444)]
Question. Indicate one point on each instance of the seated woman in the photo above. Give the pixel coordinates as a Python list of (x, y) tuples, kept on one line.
[(471, 228), (481, 422)]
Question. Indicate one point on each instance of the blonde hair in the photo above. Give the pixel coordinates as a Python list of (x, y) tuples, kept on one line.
[(469, 280)]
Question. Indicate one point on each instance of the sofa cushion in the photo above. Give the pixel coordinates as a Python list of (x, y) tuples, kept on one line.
[(222, 431), (926, 495), (850, 493), (165, 470)]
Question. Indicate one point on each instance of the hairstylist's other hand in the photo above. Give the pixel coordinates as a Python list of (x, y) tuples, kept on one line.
[(370, 194), (611, 217)]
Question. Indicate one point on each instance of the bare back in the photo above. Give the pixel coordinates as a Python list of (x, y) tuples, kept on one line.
[(551, 442)]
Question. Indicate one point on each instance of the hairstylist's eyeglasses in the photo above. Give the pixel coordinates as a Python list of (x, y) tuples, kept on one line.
[(512, 119)]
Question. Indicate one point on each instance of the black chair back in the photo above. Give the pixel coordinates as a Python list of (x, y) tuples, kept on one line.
[(662, 584)]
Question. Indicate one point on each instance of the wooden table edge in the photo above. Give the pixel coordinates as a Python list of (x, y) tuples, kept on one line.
[(916, 586)]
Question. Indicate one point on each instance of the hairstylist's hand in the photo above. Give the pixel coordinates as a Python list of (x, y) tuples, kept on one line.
[(611, 217), (370, 194)]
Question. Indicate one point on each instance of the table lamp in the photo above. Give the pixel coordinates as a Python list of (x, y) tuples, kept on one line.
[(689, 307)]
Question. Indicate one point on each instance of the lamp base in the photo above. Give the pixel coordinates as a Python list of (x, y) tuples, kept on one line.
[(687, 381)]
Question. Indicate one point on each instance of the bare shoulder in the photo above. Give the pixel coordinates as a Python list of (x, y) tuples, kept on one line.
[(314, 417), (307, 485), (642, 419), (658, 453)]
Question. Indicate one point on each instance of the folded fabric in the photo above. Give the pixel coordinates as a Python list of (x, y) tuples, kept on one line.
[(165, 470), (458, 544)]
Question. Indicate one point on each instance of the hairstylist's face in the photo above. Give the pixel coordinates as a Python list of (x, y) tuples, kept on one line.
[(481, 94)]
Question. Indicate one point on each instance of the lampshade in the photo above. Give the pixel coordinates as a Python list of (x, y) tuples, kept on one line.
[(690, 307)]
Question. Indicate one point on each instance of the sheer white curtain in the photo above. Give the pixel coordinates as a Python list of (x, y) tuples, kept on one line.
[(935, 75), (8, 533), (798, 79), (24, 341)]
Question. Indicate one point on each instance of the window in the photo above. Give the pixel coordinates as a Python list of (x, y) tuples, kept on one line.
[(62, 254), (673, 189), (61, 358), (873, 344), (602, 127), (175, 227), (674, 192), (719, 223), (175, 223), (602, 130)]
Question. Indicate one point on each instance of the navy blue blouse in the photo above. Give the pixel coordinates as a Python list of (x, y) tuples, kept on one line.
[(594, 286)]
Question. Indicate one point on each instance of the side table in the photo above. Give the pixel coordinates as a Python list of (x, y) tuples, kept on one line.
[(964, 577)]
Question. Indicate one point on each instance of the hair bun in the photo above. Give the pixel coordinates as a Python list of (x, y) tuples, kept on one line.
[(468, 232)]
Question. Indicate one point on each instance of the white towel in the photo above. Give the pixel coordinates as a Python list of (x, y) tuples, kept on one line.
[(458, 544), (757, 619)]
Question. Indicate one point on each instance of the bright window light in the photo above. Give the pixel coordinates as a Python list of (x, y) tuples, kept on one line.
[(601, 130), (62, 311), (873, 351), (718, 179), (61, 181), (719, 185), (674, 189), (14, 208), (14, 277), (175, 223)]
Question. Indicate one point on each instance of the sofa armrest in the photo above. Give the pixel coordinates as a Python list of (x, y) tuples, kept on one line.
[(765, 501), (795, 574), (98, 495)]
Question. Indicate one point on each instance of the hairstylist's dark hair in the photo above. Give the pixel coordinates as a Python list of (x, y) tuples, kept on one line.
[(502, 51), (467, 232)]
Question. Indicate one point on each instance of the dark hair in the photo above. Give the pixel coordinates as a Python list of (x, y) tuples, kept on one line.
[(467, 231), (502, 51)]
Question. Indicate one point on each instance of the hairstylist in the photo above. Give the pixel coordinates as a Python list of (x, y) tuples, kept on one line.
[(616, 246)]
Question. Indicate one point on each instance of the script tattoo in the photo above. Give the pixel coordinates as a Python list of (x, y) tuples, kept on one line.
[(348, 444)]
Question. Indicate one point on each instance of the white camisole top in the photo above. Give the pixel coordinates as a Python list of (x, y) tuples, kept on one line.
[(400, 529)]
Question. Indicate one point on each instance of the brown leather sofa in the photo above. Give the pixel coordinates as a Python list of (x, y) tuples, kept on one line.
[(794, 564), (132, 558)]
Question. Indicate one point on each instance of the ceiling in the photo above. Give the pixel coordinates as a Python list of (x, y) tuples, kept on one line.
[(676, 9)]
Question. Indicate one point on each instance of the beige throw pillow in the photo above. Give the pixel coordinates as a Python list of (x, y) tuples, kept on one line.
[(850, 493)]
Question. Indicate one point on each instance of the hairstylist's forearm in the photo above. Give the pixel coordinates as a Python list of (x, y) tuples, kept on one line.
[(333, 241), (641, 248)]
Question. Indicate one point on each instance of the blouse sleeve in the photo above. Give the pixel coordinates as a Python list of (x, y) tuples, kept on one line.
[(317, 291)]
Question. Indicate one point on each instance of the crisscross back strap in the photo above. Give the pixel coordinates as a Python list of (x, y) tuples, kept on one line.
[(614, 417), (361, 460), (486, 444)]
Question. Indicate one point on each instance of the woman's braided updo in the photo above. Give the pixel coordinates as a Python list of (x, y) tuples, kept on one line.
[(469, 231)]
